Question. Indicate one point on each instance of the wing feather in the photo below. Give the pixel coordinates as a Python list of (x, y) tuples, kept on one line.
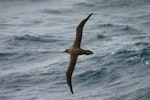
[(73, 59), (79, 31)]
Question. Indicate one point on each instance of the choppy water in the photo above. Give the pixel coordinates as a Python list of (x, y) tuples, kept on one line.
[(33, 33)]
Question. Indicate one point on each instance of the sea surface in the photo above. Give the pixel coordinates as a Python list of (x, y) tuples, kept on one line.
[(34, 33)]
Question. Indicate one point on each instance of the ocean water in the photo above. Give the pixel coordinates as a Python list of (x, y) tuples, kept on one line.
[(34, 33)]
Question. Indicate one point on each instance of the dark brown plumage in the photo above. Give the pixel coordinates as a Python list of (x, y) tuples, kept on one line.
[(75, 51)]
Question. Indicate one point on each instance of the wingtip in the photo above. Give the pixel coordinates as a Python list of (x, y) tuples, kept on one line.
[(71, 89), (69, 82), (89, 15)]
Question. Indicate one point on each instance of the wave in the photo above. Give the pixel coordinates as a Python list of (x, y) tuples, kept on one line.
[(100, 36), (92, 75), (26, 23), (112, 65), (22, 0), (144, 53), (117, 26), (125, 54), (122, 4), (117, 69), (56, 11), (25, 55), (98, 77), (141, 44), (52, 11), (133, 57), (118, 29), (36, 38), (84, 4), (135, 94), (107, 25), (26, 47), (3, 55), (13, 55)]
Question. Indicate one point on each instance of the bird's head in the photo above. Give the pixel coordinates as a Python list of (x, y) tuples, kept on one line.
[(66, 51)]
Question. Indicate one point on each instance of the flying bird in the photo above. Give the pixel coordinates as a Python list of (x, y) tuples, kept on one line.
[(75, 51)]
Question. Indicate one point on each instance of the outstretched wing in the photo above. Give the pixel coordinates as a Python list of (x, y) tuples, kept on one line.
[(73, 59), (79, 30)]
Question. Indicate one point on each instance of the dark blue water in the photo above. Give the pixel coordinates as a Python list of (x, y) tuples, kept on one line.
[(34, 33)]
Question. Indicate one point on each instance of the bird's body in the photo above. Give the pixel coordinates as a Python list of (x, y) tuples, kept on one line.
[(75, 51)]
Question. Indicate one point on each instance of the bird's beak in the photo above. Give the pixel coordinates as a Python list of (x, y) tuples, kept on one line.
[(64, 52)]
